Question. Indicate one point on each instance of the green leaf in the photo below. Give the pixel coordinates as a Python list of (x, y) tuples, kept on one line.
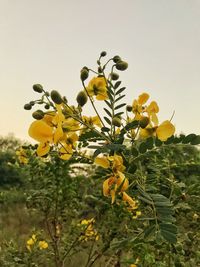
[(89, 135), (158, 142), (134, 152), (108, 103), (120, 106), (110, 96), (149, 142), (120, 90), (170, 140), (105, 129), (169, 236), (107, 120), (149, 231), (119, 98), (108, 112), (117, 84), (119, 114), (132, 168), (132, 125), (143, 148), (196, 141), (189, 138)]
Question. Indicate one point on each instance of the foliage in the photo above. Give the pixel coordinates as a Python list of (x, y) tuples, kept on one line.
[(134, 220)]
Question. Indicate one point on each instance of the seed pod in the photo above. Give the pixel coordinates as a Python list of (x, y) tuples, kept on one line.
[(82, 98), (84, 74), (144, 121), (114, 76), (38, 88), (56, 97), (121, 65), (116, 59), (38, 114), (103, 54), (27, 106), (116, 121), (129, 108)]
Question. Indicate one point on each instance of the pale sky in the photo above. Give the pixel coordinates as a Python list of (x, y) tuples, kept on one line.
[(49, 41)]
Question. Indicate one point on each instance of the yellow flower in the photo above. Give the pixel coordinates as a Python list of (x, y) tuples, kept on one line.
[(115, 162), (65, 151), (92, 121), (30, 242), (43, 245), (102, 162), (70, 125), (138, 105), (114, 183), (43, 149), (165, 130), (132, 203), (41, 131), (98, 87), (22, 156)]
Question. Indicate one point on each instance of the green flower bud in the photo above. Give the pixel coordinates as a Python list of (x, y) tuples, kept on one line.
[(103, 54), (47, 106), (38, 88), (56, 97), (82, 98), (116, 59), (144, 121), (129, 108), (27, 106), (121, 65), (65, 99), (100, 70), (116, 121), (32, 103), (38, 114), (114, 76), (84, 74)]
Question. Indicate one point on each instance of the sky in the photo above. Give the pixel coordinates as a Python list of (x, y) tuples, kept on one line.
[(49, 41)]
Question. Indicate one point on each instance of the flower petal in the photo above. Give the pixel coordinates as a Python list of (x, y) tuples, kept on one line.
[(40, 131), (103, 162), (142, 99), (43, 149), (165, 130)]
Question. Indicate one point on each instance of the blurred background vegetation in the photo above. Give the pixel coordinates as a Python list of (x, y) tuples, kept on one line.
[(176, 168)]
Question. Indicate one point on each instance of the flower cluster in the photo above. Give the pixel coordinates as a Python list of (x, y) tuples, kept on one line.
[(62, 128), (33, 242), (89, 233), (22, 156), (148, 119)]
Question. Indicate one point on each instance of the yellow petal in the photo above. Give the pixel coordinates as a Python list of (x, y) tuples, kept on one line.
[(165, 130), (153, 108), (65, 156), (106, 188), (142, 99), (40, 131), (122, 182), (112, 193), (129, 200), (154, 119), (103, 162), (147, 132), (58, 134), (43, 149)]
